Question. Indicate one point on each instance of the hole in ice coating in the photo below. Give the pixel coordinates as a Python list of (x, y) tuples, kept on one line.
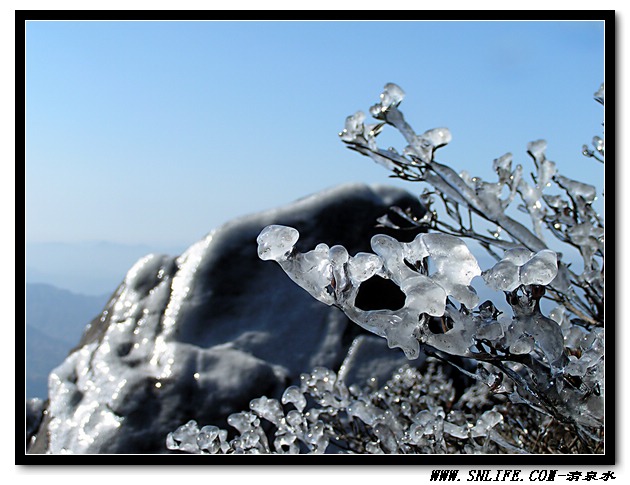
[(538, 291), (412, 266), (440, 325), (378, 293)]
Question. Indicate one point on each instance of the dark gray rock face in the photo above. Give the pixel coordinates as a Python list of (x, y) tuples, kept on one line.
[(200, 335)]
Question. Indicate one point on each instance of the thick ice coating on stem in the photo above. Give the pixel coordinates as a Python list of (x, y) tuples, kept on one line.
[(332, 276), (434, 272), (522, 267)]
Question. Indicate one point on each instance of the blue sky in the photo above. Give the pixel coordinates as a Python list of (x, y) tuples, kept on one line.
[(157, 132)]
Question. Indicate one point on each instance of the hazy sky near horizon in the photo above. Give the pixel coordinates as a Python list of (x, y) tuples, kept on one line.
[(157, 132)]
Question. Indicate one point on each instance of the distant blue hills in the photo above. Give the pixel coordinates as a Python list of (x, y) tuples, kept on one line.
[(54, 322)]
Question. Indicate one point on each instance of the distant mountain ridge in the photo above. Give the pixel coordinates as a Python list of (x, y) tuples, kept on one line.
[(43, 353), (54, 322)]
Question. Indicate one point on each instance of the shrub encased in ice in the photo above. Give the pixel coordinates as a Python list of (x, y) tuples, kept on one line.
[(539, 380)]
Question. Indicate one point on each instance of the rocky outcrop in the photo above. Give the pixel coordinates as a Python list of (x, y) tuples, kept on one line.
[(199, 335)]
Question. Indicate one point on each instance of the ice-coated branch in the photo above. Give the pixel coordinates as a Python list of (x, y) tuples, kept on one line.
[(529, 340), (334, 277), (571, 219), (417, 163)]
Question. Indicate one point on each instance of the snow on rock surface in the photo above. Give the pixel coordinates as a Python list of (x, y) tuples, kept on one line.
[(368, 358), (34, 410), (200, 335)]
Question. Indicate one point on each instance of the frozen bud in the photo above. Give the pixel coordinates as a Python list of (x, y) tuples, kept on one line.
[(598, 143), (207, 439), (424, 295), (276, 242), (294, 395), (288, 442), (438, 137), (295, 419), (184, 438), (387, 247), (503, 276), (490, 331), (455, 431), (504, 162), (266, 408), (586, 192), (363, 266), (455, 266), (353, 127), (485, 423), (523, 345), (364, 411), (518, 256), (392, 95), (315, 434), (522, 267), (600, 94), (537, 149), (338, 255), (242, 421)]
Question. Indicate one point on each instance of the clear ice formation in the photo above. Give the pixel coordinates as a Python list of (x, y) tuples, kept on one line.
[(433, 271), (392, 95), (522, 267), (333, 277)]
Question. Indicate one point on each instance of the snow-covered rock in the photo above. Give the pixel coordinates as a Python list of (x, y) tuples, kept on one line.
[(200, 335), (34, 414), (369, 358)]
